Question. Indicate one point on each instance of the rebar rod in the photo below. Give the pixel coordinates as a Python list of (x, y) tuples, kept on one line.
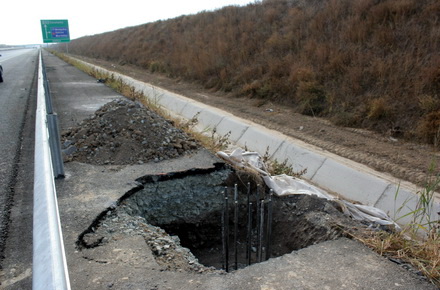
[(269, 225), (249, 234), (223, 232), (226, 231), (235, 227), (257, 202), (261, 227), (249, 220)]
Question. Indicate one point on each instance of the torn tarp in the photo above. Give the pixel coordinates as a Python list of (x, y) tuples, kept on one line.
[(285, 185)]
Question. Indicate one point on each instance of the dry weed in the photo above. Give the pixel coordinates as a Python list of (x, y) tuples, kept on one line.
[(346, 49)]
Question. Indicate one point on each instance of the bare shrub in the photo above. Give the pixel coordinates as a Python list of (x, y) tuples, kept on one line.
[(311, 98), (378, 109), (429, 128), (429, 103)]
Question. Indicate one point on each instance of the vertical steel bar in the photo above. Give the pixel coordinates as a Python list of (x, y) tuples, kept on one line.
[(248, 192), (235, 227), (249, 221), (249, 234), (226, 230), (260, 238), (258, 219), (269, 225)]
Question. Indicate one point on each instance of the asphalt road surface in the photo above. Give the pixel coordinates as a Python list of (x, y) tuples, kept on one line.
[(17, 110)]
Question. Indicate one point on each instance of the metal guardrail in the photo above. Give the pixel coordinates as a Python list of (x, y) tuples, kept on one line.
[(52, 125), (49, 259)]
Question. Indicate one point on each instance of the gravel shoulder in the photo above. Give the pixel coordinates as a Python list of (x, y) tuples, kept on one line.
[(384, 153)]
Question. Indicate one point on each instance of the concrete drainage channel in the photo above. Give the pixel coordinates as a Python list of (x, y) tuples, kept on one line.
[(181, 217)]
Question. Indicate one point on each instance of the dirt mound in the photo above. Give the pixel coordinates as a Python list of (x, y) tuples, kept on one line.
[(124, 132)]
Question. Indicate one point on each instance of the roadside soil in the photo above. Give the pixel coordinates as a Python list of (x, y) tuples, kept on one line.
[(385, 153)]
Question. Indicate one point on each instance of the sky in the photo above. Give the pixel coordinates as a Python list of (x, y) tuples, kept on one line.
[(20, 19)]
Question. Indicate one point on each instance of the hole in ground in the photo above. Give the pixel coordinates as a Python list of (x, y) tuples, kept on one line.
[(191, 205)]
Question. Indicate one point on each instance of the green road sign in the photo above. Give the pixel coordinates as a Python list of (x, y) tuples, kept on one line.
[(55, 31)]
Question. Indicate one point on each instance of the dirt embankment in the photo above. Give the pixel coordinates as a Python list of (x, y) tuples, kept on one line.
[(365, 64), (385, 153)]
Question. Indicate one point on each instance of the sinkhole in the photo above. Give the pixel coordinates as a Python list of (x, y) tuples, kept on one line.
[(250, 227)]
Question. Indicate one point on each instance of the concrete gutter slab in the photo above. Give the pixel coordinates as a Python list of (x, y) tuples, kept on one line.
[(349, 182), (168, 101), (260, 140), (400, 203), (209, 120), (300, 158), (232, 126)]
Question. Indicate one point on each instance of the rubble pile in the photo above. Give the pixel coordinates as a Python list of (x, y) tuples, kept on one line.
[(166, 249), (124, 132)]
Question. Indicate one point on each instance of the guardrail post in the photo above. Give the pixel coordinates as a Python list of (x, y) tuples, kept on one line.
[(55, 147), (54, 131)]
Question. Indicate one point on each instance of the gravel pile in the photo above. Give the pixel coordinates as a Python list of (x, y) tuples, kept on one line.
[(124, 132)]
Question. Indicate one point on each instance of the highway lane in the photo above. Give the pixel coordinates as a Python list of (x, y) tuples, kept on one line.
[(7, 55), (17, 107)]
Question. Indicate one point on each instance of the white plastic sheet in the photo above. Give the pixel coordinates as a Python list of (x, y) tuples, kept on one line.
[(287, 185), (241, 158)]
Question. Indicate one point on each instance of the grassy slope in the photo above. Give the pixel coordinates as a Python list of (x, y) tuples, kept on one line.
[(366, 63)]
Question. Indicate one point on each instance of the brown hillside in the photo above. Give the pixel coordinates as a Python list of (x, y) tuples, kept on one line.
[(365, 63)]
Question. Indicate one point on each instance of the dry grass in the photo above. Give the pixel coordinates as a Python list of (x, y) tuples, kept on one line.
[(326, 58), (423, 254), (419, 242)]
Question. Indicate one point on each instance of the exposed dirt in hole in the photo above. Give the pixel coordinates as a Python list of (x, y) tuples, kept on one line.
[(125, 132), (298, 222), (180, 217), (386, 153)]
